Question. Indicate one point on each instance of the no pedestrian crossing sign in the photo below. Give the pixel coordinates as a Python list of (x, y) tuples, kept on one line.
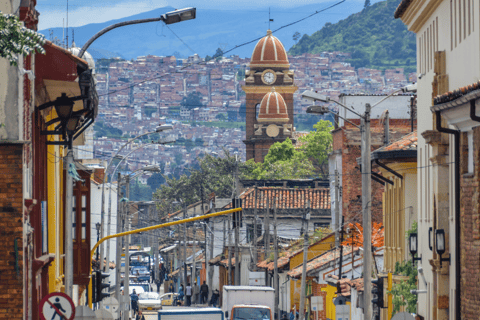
[(57, 306)]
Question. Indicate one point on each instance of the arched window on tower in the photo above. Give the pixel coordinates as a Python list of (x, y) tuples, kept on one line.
[(257, 110)]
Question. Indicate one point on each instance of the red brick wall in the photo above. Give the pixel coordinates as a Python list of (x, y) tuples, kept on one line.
[(317, 291), (470, 236), (11, 228), (348, 140)]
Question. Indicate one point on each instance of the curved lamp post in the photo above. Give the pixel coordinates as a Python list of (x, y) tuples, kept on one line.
[(168, 18), (102, 217)]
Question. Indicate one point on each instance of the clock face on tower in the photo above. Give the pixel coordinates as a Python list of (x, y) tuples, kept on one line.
[(269, 77)]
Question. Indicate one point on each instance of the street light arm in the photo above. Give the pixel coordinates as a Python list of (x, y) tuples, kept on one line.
[(385, 98), (344, 106), (114, 26)]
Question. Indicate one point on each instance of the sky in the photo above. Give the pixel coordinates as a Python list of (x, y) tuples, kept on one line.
[(53, 13)]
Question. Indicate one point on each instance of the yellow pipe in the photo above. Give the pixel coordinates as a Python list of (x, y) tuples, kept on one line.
[(158, 226), (390, 298)]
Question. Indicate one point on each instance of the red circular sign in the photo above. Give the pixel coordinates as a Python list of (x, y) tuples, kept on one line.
[(57, 305)]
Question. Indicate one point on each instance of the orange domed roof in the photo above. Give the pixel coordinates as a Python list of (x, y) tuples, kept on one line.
[(269, 52), (273, 108)]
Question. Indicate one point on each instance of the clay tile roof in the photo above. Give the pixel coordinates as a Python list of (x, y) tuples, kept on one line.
[(286, 198), (402, 7), (455, 94), (407, 142), (321, 260), (269, 51), (273, 108), (225, 262)]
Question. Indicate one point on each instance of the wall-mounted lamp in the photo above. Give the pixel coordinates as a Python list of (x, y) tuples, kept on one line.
[(413, 241), (430, 238), (440, 245)]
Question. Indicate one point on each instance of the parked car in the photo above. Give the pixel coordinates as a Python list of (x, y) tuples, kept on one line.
[(141, 273), (168, 298), (149, 301)]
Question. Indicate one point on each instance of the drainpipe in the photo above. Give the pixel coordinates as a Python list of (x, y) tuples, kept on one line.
[(456, 134)]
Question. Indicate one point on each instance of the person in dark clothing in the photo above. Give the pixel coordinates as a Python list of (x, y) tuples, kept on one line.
[(134, 298), (170, 288), (140, 316), (204, 293)]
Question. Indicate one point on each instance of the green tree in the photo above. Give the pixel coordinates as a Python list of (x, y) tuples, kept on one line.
[(16, 40), (296, 36), (221, 117), (218, 54), (283, 161), (367, 4), (192, 100), (318, 144)]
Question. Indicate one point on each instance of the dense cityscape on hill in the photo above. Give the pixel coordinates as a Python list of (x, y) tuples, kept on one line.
[(205, 102)]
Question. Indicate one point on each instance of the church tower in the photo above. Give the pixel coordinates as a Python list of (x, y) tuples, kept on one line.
[(269, 93)]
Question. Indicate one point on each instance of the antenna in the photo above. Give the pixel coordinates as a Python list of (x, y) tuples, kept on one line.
[(269, 19), (67, 24)]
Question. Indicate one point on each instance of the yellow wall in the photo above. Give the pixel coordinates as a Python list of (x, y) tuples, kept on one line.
[(55, 221), (314, 250), (394, 214), (330, 307)]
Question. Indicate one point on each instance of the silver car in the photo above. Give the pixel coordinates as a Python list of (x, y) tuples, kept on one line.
[(148, 301)]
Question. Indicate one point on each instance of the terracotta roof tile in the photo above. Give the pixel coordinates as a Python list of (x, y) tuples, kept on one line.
[(407, 142), (455, 94), (286, 198), (321, 260), (402, 7)]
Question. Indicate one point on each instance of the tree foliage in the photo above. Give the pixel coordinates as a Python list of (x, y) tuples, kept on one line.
[(318, 144), (356, 237), (192, 100), (15, 39), (283, 161), (373, 37), (402, 297)]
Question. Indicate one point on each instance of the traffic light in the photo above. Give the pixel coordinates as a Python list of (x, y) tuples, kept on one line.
[(100, 286), (94, 287), (378, 291), (237, 216)]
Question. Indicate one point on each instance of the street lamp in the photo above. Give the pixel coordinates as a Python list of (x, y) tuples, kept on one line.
[(440, 245), (413, 245), (168, 18)]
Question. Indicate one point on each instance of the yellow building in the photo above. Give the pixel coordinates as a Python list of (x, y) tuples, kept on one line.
[(397, 163)]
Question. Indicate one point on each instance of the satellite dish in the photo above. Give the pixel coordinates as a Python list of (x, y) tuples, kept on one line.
[(403, 316)]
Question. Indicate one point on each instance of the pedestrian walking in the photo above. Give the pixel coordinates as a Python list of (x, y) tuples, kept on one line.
[(204, 293), (140, 316), (134, 298), (170, 288), (188, 294)]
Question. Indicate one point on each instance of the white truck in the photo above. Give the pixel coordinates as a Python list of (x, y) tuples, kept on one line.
[(191, 313), (248, 302)]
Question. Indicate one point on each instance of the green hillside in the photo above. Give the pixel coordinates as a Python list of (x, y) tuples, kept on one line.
[(373, 37)]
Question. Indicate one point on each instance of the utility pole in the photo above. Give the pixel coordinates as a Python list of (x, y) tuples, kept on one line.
[(194, 267), (157, 253), (210, 268), (275, 258), (341, 252), (229, 253), (367, 218), (118, 255), (237, 227), (337, 209), (68, 220), (127, 245), (304, 266), (266, 238), (255, 254), (184, 249)]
